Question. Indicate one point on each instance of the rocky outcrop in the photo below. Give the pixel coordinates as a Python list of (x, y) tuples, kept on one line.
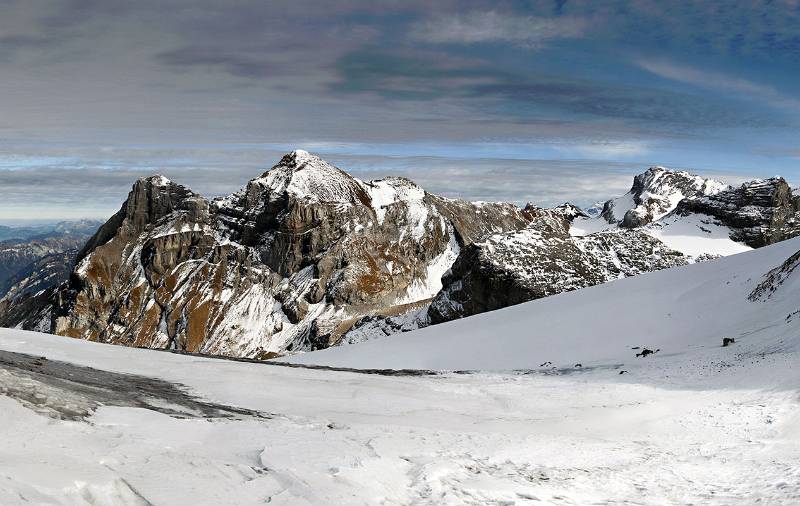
[(655, 193), (543, 260), (758, 212), (775, 279), (621, 240), (287, 263)]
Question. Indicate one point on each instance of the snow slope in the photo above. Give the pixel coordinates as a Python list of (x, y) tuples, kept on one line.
[(695, 234), (653, 436), (695, 423), (684, 311)]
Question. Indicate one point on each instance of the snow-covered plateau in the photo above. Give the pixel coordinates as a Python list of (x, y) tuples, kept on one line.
[(552, 406)]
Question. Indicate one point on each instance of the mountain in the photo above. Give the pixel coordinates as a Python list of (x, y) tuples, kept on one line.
[(31, 269), (655, 193), (284, 264), (19, 256), (701, 216), (667, 219), (684, 312), (32, 291), (21, 233), (306, 256), (84, 227), (758, 213), (543, 260), (73, 227)]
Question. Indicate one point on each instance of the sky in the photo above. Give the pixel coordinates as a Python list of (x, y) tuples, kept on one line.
[(541, 101)]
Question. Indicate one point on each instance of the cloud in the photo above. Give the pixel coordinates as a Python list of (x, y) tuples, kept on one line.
[(609, 150), (491, 26), (288, 71), (718, 81), (490, 91), (230, 62)]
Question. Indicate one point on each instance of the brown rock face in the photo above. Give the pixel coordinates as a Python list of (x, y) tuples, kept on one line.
[(286, 263)]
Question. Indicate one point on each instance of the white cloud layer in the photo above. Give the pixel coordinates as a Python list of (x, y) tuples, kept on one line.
[(475, 27)]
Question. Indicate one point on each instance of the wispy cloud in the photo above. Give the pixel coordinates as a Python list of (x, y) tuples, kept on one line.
[(718, 81), (491, 91), (609, 150), (491, 26)]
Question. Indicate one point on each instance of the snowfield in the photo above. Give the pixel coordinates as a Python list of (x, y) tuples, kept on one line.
[(694, 423)]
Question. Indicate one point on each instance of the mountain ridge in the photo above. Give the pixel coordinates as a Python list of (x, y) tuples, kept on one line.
[(274, 267), (306, 256)]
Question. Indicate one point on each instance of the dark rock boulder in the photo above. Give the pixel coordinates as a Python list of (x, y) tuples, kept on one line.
[(758, 212)]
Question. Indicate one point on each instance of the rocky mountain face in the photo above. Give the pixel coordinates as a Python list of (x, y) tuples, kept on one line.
[(548, 257), (655, 193), (287, 263), (306, 256), (540, 260), (757, 212)]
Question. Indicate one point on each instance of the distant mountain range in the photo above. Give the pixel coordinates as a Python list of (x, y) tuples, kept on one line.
[(35, 260), (307, 257), (74, 227)]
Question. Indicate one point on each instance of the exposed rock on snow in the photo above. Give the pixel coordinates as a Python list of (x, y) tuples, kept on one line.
[(668, 218), (775, 278), (758, 212), (542, 260), (374, 326)]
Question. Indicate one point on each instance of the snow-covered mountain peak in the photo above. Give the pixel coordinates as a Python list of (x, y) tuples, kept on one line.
[(311, 179), (569, 211), (302, 154), (662, 181), (654, 194), (155, 180), (390, 190)]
